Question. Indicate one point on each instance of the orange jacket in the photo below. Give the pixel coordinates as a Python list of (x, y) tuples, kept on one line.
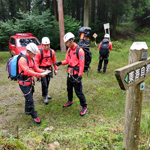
[(46, 61), (72, 60), (29, 70)]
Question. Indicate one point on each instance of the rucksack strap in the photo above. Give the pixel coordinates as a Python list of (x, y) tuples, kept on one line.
[(42, 55), (24, 77), (77, 51)]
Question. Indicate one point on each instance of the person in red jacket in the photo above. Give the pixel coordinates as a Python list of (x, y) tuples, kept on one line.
[(104, 48), (27, 70), (44, 60), (75, 72)]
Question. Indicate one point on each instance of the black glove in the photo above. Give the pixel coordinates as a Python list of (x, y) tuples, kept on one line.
[(79, 79), (58, 63)]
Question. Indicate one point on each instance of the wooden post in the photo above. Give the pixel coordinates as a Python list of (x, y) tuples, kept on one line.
[(61, 25), (134, 98)]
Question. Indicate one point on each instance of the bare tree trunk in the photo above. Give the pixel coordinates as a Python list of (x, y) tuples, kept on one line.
[(47, 4), (93, 11), (114, 24), (55, 10), (11, 8), (98, 9), (78, 11), (86, 13), (2, 12), (61, 25), (24, 6)]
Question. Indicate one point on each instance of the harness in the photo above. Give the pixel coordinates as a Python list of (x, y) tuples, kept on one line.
[(46, 67), (76, 68), (24, 78), (45, 57)]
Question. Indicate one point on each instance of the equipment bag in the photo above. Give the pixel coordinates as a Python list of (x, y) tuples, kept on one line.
[(12, 67), (84, 42), (104, 49)]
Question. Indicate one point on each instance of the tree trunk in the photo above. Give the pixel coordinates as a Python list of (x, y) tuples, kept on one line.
[(93, 11), (86, 13), (2, 12), (114, 24), (55, 10), (24, 6), (47, 4), (61, 25), (12, 8), (78, 11)]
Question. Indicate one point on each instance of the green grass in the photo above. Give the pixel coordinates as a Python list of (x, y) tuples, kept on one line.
[(102, 126)]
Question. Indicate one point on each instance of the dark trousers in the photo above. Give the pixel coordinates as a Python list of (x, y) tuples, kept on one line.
[(29, 102), (45, 84), (101, 58), (78, 90)]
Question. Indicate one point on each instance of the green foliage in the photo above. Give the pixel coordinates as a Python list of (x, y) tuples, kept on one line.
[(117, 46), (145, 124), (71, 25), (39, 25)]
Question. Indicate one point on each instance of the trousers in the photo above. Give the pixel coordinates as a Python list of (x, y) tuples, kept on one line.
[(101, 59), (71, 83), (45, 81), (29, 102)]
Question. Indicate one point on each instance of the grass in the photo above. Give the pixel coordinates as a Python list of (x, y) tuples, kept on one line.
[(102, 126)]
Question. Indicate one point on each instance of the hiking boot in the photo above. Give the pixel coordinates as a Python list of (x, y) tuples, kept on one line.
[(49, 97), (99, 71), (83, 111), (45, 100), (37, 120), (69, 103)]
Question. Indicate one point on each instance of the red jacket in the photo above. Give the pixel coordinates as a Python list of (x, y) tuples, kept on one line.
[(46, 61), (29, 70), (72, 60)]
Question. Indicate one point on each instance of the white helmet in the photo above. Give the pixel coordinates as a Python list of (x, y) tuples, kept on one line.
[(106, 35), (68, 36), (45, 40), (32, 47)]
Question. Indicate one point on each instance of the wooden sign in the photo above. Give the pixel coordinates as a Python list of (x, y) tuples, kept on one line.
[(133, 74), (131, 78)]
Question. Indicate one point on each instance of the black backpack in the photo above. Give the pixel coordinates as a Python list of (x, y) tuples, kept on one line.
[(104, 49), (85, 44)]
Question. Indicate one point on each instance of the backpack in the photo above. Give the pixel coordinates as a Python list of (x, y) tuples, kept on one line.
[(12, 67), (84, 42), (45, 57), (104, 49)]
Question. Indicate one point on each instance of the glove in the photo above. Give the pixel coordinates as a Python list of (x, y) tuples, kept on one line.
[(79, 79), (58, 63)]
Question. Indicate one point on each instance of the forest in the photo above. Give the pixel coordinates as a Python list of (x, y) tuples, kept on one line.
[(40, 17)]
